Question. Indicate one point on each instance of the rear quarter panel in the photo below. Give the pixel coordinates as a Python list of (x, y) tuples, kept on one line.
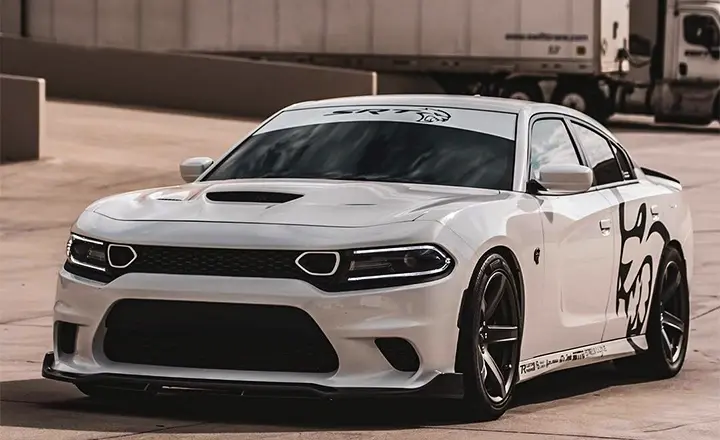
[(649, 215)]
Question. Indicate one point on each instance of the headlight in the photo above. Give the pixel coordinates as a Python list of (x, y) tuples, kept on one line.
[(360, 269), (397, 262), (96, 259), (87, 253)]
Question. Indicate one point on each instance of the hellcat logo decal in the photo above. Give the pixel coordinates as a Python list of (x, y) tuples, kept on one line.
[(635, 300)]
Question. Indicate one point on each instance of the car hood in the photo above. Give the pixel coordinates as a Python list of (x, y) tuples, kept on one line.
[(290, 202)]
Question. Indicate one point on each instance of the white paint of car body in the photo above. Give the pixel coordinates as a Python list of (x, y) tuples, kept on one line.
[(568, 296)]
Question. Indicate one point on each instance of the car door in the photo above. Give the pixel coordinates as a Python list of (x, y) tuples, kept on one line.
[(642, 209), (635, 208), (577, 248), (699, 31)]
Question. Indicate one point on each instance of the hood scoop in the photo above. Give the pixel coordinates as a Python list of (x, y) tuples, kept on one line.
[(251, 197)]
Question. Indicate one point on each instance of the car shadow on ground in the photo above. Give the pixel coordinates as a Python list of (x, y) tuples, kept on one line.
[(44, 404), (641, 126)]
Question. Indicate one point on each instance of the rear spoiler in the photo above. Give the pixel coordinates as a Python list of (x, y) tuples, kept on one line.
[(653, 173)]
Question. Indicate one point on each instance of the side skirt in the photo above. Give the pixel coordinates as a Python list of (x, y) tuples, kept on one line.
[(580, 356)]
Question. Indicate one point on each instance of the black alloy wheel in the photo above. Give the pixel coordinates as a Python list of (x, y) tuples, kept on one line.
[(673, 306), (490, 337), (668, 324)]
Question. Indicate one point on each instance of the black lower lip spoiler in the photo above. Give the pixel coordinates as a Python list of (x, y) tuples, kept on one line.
[(446, 386)]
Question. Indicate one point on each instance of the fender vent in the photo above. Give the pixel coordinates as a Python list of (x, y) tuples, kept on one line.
[(251, 197)]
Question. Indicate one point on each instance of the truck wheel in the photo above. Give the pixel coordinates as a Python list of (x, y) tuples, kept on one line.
[(522, 89), (583, 97)]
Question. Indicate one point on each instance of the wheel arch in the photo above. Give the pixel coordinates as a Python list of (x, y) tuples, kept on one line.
[(514, 264), (675, 244)]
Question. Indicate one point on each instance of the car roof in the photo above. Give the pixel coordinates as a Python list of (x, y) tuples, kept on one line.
[(476, 102)]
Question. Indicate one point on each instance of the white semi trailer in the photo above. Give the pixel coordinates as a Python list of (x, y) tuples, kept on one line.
[(654, 57)]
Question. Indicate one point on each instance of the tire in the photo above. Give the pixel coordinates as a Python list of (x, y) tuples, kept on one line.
[(585, 97), (490, 329), (111, 394), (522, 89), (668, 324)]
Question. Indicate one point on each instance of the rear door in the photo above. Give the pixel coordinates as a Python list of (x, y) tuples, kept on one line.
[(636, 208), (642, 210)]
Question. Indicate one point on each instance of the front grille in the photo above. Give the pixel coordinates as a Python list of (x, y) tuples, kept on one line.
[(217, 262), (221, 336)]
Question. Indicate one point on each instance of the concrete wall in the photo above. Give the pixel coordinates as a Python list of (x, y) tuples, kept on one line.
[(10, 17), (185, 82), (22, 118)]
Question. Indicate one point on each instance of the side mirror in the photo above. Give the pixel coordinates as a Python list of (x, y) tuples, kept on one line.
[(191, 169), (565, 179)]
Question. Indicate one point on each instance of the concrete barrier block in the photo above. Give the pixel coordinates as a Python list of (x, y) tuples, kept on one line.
[(22, 118), (208, 84)]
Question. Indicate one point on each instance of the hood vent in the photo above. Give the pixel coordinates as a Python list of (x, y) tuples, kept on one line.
[(251, 197)]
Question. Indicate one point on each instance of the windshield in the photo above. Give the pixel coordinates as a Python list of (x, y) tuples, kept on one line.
[(384, 144)]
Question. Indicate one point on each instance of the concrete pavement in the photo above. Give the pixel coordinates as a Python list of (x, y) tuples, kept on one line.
[(93, 151)]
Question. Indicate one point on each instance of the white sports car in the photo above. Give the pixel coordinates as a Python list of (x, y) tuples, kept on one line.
[(445, 246)]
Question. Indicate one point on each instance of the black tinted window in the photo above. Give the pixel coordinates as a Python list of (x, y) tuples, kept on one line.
[(600, 156), (624, 162), (375, 150), (550, 143), (701, 30)]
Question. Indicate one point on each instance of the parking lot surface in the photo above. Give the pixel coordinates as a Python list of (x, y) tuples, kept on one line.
[(93, 151)]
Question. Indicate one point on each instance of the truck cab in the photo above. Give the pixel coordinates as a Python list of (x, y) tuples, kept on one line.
[(689, 88)]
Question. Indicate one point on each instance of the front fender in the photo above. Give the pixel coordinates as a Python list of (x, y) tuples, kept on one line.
[(514, 224)]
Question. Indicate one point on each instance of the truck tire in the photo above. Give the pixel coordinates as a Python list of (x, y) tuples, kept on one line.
[(524, 89), (583, 96)]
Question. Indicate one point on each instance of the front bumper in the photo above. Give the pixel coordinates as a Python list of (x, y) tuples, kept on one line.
[(424, 315), (448, 385)]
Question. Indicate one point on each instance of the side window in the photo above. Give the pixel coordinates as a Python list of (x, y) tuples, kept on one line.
[(701, 30), (624, 161), (600, 157), (550, 143)]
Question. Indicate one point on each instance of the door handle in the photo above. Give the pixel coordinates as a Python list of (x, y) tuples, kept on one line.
[(655, 211), (605, 225)]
